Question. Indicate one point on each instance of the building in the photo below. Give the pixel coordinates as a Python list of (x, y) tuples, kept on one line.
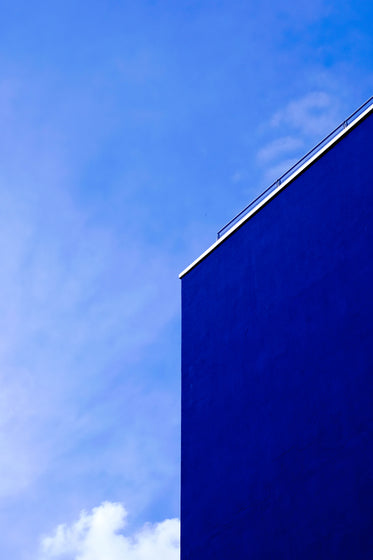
[(277, 367)]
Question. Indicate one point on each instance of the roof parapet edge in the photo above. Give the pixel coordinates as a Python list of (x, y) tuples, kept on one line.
[(281, 186)]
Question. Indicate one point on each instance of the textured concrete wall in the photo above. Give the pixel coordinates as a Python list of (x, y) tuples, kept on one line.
[(277, 366)]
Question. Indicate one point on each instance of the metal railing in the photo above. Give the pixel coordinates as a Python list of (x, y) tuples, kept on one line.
[(296, 166)]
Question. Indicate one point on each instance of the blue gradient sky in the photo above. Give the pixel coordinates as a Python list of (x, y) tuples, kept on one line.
[(130, 133)]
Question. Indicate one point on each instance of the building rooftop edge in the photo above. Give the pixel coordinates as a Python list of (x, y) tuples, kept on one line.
[(280, 187)]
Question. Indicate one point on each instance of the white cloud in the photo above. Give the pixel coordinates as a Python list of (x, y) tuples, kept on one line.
[(98, 535)]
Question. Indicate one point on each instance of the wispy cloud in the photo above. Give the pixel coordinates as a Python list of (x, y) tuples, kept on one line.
[(64, 294), (99, 534), (82, 307), (278, 148), (312, 114), (275, 171), (301, 123)]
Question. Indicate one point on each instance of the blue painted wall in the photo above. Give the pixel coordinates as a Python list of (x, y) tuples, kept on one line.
[(277, 366)]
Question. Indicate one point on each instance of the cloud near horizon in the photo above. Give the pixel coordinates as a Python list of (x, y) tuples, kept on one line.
[(98, 535)]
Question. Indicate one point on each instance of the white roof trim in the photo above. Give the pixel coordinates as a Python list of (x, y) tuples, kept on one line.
[(273, 193)]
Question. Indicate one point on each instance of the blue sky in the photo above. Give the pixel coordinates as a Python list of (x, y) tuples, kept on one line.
[(130, 133)]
